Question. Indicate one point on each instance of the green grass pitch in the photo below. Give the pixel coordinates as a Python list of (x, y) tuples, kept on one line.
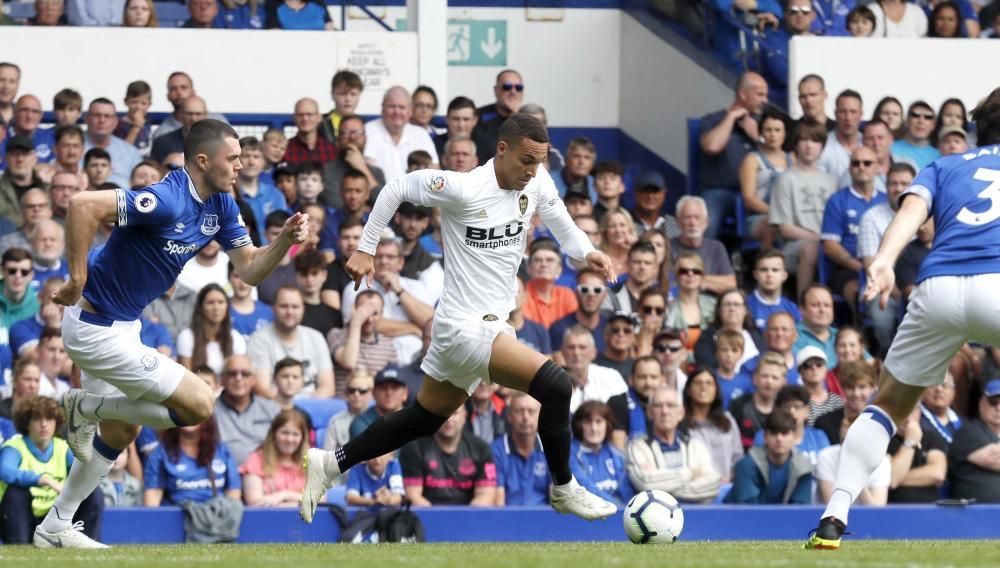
[(546, 555)]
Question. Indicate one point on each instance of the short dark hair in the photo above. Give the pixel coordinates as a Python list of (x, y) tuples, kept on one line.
[(307, 168), (356, 117), (95, 153), (48, 333), (249, 143), (901, 167), (100, 101), (791, 393), (520, 126), (287, 362), (348, 79), (276, 218), (809, 130), (987, 119), (588, 271), (369, 293), (205, 136), (138, 89), (458, 103), (875, 122), (66, 98), (581, 142), (849, 94), (768, 253), (544, 243), (429, 90), (813, 77), (37, 407), (350, 223), (609, 167), (779, 422), (353, 174), (641, 246), (810, 288), (419, 158), (68, 130), (15, 254), (308, 260)]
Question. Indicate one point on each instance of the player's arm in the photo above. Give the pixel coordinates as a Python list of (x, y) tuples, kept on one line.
[(87, 211), (573, 241), (881, 276), (254, 264)]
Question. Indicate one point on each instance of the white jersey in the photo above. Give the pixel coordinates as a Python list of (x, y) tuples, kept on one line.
[(483, 229)]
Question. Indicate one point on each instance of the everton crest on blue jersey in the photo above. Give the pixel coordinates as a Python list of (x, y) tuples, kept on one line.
[(158, 229)]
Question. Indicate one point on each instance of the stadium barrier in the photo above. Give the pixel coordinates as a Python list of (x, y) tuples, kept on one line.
[(541, 524)]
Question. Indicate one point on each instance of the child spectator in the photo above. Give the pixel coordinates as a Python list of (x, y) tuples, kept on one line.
[(861, 21), (775, 472), (418, 160), (858, 380), (248, 315), (706, 420), (849, 345), (273, 475), (596, 463), (190, 464), (770, 274), (729, 349), (284, 180), (301, 15), (289, 381), (67, 105), (120, 488), (253, 186), (308, 187), (609, 186), (272, 148), (375, 483), (33, 466), (97, 166), (751, 409), (134, 127), (345, 89), (311, 273), (730, 314), (794, 400), (875, 492)]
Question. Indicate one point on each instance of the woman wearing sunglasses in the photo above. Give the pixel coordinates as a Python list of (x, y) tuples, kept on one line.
[(358, 394), (652, 309), (730, 313), (692, 310)]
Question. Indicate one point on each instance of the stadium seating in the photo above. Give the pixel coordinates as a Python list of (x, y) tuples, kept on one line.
[(320, 412)]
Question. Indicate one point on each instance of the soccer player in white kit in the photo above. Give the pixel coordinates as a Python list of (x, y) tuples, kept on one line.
[(956, 300), (485, 215), (157, 230)]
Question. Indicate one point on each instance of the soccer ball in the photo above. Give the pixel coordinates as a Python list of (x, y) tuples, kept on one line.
[(653, 517)]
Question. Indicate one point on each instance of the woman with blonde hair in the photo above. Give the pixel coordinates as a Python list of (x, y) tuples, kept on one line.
[(692, 310), (140, 14), (617, 237), (273, 475)]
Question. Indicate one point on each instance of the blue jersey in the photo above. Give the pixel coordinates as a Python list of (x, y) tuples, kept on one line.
[(760, 309), (185, 480), (159, 229), (535, 336), (364, 483), (525, 480), (740, 384), (602, 472), (246, 324), (842, 217), (963, 192), (25, 333), (60, 270)]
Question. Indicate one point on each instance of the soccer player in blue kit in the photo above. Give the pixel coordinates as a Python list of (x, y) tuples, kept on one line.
[(956, 300), (125, 384)]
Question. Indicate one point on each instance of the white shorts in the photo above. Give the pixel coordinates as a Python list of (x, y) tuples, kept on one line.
[(944, 312), (460, 350), (112, 358)]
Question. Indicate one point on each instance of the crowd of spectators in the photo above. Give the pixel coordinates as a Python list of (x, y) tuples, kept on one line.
[(683, 380)]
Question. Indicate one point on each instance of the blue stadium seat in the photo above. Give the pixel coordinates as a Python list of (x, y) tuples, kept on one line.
[(171, 14), (21, 10), (320, 411), (337, 495), (694, 155)]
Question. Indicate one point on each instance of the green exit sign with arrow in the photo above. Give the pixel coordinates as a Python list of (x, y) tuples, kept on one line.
[(477, 42)]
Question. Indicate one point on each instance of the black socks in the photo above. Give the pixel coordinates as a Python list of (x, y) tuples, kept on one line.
[(388, 434), (553, 388)]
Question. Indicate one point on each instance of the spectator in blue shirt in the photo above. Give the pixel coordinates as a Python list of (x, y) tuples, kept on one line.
[(727, 35), (831, 17), (24, 333), (591, 290), (842, 224), (300, 15), (529, 332), (798, 20), (575, 174), (247, 314), (776, 472), (27, 118), (915, 145), (522, 474), (596, 463), (375, 483), (770, 274), (816, 327), (808, 441), (190, 464), (262, 196)]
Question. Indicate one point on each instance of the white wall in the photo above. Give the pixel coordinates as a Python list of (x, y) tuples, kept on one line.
[(235, 71), (909, 69), (660, 89)]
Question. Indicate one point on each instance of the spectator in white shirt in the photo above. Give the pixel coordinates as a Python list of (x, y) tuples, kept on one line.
[(590, 381), (391, 138)]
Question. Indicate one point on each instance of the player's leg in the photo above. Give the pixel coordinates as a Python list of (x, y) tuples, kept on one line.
[(918, 358), (436, 402), (190, 403), (57, 528), (516, 366)]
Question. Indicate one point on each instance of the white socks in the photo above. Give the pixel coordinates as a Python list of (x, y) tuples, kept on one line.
[(862, 451), (83, 479), (118, 407)]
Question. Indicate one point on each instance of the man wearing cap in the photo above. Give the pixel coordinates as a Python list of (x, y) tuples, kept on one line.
[(692, 213), (619, 343), (575, 175), (243, 417), (811, 363), (390, 395), (411, 222), (18, 178), (358, 344), (953, 140), (650, 193), (841, 225), (27, 118), (974, 457)]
